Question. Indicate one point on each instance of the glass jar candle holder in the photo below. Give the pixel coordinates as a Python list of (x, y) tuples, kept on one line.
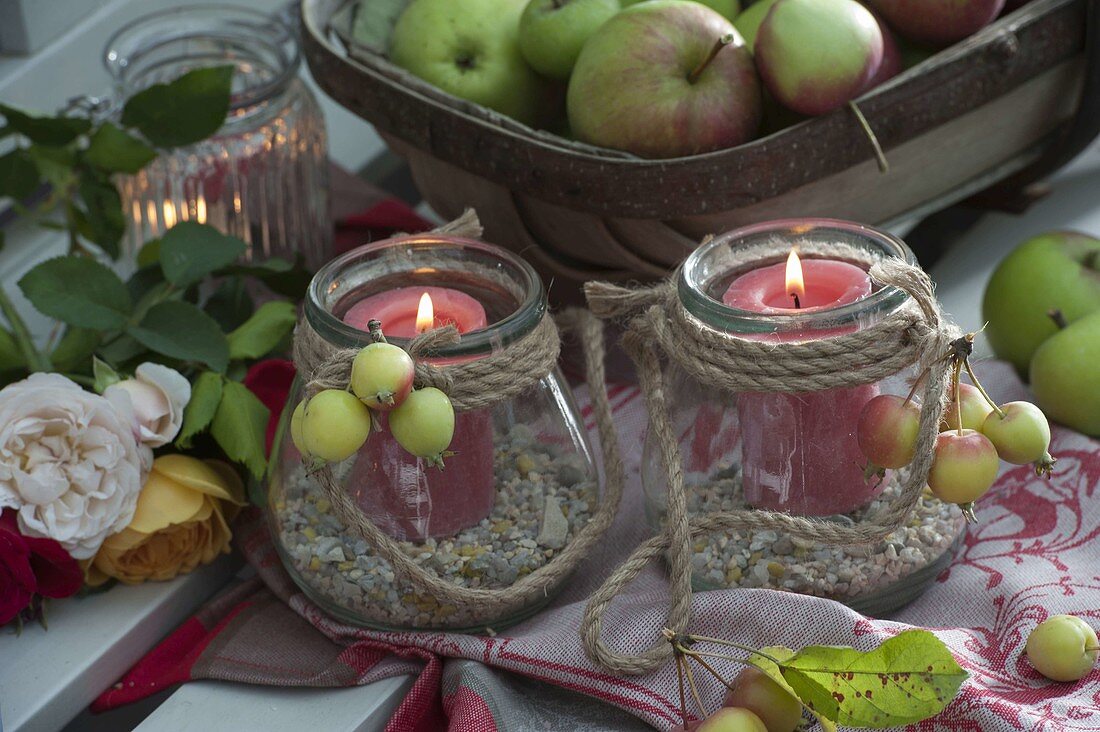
[(794, 452), (263, 177), (520, 487)]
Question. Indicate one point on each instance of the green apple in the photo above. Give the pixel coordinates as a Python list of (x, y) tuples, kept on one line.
[(471, 49), (774, 705), (1055, 271), (1065, 375), (664, 79), (748, 22), (728, 8), (732, 719), (552, 32), (816, 55)]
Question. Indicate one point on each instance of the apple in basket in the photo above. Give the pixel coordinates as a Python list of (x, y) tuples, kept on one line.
[(663, 79), (816, 55), (552, 32), (938, 22), (471, 49), (748, 22), (728, 8)]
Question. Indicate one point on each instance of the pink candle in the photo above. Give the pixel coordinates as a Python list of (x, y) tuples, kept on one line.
[(798, 451), (405, 497)]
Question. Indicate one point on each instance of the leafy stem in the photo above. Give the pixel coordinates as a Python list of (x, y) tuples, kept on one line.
[(33, 358)]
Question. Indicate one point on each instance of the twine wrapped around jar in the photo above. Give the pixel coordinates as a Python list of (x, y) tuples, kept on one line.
[(470, 385), (660, 326)]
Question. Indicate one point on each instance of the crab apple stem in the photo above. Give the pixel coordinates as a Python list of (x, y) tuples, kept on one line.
[(1044, 466), (731, 644), (968, 512), (374, 327), (958, 397), (698, 70), (916, 385), (683, 695), (981, 389), (698, 659), (1058, 317), (694, 689)]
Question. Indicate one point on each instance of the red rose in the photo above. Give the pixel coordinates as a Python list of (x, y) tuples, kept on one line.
[(29, 566), (270, 381)]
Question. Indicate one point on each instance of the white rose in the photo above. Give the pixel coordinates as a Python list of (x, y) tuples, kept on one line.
[(158, 396), (69, 463)]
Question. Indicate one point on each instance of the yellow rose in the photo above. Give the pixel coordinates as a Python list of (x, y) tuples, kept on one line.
[(182, 520)]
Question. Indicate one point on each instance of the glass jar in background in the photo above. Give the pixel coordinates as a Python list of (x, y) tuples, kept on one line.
[(263, 177), (521, 484), (793, 452)]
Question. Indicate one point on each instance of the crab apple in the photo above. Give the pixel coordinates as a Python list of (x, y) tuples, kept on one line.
[(296, 435), (732, 719), (975, 409), (1022, 436), (382, 375), (887, 430), (335, 424), (1062, 648), (964, 467), (753, 690), (424, 424)]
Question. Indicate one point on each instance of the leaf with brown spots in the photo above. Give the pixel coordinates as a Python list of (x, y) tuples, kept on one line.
[(765, 661), (908, 678)]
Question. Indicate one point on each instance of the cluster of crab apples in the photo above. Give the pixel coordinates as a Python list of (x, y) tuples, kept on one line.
[(334, 424), (975, 435)]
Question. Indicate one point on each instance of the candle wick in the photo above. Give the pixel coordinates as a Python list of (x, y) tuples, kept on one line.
[(797, 303)]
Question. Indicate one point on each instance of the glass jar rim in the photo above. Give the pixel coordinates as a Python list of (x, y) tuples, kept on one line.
[(691, 288), (231, 22), (528, 313)]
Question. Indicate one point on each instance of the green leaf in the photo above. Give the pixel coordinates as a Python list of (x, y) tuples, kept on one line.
[(103, 374), (908, 678), (765, 661), (181, 330), (240, 425), (53, 131), (116, 151), (78, 291), (263, 331), (55, 164), (149, 254), (141, 284), (189, 251), (289, 279), (103, 209), (230, 304), (122, 350), (206, 394), (184, 111), (74, 349), (10, 355), (18, 174)]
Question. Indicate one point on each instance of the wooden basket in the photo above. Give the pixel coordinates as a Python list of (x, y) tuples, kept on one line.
[(1008, 104)]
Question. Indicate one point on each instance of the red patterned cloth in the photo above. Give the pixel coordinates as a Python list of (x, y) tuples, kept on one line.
[(1035, 553)]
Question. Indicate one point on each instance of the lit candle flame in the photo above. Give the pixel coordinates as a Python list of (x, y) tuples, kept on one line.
[(796, 286), (425, 314)]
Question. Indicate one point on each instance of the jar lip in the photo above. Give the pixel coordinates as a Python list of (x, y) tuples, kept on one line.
[(521, 321), (699, 303), (235, 21)]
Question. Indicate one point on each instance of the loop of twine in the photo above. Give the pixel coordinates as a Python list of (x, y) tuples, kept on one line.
[(911, 335)]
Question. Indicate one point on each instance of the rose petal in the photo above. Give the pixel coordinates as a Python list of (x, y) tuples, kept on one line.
[(17, 584), (209, 477), (163, 502), (56, 573)]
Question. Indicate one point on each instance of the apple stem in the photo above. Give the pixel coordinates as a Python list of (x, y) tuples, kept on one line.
[(981, 389), (1058, 317), (374, 327), (958, 397), (880, 156), (722, 43), (913, 390), (559, 4)]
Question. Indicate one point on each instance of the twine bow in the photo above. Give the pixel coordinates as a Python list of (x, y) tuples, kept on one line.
[(916, 333)]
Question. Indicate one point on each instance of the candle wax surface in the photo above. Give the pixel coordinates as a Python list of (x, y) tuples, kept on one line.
[(828, 283), (799, 451), (406, 498), (396, 309)]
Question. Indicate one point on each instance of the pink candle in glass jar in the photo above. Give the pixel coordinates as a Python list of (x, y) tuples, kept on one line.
[(798, 450), (406, 498)]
